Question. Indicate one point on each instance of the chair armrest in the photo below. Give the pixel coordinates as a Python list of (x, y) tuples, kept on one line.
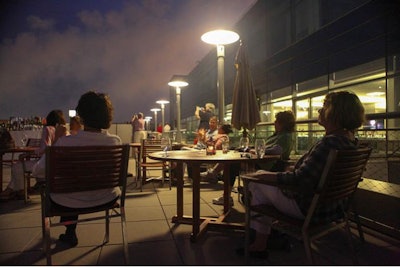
[(258, 180), (261, 180)]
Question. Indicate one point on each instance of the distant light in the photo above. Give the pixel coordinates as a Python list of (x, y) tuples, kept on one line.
[(155, 109), (220, 37), (72, 113), (161, 102)]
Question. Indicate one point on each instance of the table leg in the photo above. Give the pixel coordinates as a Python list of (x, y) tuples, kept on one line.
[(196, 200), (1, 172), (227, 188), (179, 190)]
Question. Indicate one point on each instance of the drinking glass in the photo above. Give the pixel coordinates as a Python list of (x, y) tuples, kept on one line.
[(225, 145), (244, 143), (259, 146), (165, 145)]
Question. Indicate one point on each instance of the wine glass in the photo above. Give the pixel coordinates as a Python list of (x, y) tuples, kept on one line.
[(165, 145), (244, 143), (259, 146)]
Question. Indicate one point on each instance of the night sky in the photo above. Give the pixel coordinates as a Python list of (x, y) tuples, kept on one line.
[(51, 52)]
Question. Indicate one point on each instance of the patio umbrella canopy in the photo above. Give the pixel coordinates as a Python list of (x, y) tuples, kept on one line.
[(245, 111)]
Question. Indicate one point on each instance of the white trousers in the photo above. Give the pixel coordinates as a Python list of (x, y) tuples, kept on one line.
[(17, 174), (139, 135), (266, 194)]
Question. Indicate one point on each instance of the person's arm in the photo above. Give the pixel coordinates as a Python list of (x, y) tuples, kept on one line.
[(274, 150), (307, 174), (197, 112)]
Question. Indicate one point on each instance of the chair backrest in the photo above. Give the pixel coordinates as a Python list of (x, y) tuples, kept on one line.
[(342, 173), (85, 168), (33, 142), (149, 146)]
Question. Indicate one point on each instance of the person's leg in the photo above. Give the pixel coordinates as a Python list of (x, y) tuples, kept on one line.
[(234, 172), (17, 180), (211, 174), (69, 236), (265, 194)]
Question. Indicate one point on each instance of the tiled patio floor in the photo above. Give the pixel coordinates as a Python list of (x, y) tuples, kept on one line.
[(154, 240)]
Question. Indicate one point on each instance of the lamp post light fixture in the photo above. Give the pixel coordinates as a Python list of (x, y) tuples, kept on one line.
[(162, 103), (220, 38), (178, 82), (155, 110)]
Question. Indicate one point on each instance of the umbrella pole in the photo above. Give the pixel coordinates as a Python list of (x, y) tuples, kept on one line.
[(245, 132)]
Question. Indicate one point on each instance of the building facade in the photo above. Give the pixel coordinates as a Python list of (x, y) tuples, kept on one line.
[(299, 50)]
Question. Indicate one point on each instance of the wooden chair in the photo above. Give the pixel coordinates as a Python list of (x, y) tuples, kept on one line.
[(339, 181), (84, 168), (145, 164)]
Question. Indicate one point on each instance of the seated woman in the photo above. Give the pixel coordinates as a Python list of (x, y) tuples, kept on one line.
[(75, 125), (281, 142), (54, 129), (211, 174), (341, 115), (96, 113)]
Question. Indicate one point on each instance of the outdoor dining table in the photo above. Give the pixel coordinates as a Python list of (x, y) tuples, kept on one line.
[(195, 158), (17, 149)]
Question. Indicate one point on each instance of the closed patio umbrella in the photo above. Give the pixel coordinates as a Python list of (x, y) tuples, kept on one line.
[(245, 111)]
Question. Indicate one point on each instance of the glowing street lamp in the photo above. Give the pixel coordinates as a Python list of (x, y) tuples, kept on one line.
[(178, 82), (162, 103), (155, 110), (220, 38)]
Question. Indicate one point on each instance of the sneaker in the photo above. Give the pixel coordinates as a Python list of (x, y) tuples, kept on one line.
[(220, 201), (209, 176)]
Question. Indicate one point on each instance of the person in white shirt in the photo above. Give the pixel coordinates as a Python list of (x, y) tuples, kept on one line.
[(96, 113)]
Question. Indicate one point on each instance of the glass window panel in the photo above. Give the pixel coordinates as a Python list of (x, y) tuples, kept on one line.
[(393, 94), (316, 104), (280, 106), (364, 72), (302, 109)]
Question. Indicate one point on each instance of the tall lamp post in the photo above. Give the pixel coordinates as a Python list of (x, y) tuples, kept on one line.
[(155, 110), (220, 38), (178, 82), (147, 120), (162, 103)]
